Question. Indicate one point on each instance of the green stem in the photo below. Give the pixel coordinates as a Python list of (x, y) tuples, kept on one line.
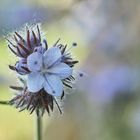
[(38, 131), (4, 102)]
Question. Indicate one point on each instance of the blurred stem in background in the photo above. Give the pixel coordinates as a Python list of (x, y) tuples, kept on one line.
[(38, 122)]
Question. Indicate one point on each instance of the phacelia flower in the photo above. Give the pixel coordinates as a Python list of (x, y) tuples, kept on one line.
[(47, 72)]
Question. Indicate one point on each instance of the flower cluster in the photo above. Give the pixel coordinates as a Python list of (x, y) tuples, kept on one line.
[(46, 70)]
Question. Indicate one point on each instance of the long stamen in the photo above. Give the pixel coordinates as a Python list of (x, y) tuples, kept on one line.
[(56, 42), (73, 46)]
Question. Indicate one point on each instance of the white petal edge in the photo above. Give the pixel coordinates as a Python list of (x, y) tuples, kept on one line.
[(35, 82), (62, 70), (52, 56), (53, 85)]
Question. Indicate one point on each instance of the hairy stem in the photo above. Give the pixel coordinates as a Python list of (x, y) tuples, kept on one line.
[(38, 129)]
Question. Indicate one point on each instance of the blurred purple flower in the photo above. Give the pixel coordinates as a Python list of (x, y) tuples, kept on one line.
[(110, 81)]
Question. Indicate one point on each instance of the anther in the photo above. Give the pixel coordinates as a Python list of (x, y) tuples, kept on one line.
[(81, 74), (74, 44)]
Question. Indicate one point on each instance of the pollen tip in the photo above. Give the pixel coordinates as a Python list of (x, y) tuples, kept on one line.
[(74, 44), (81, 74)]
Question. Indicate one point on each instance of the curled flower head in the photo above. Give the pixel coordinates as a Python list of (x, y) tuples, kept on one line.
[(48, 70), (24, 44)]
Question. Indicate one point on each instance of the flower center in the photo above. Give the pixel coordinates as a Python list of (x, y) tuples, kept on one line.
[(44, 70)]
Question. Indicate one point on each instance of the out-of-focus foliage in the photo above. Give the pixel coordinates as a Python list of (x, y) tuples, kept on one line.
[(105, 104)]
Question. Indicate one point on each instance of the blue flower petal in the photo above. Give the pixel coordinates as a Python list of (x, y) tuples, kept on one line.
[(62, 70), (21, 67), (52, 56), (35, 82), (34, 62), (53, 85)]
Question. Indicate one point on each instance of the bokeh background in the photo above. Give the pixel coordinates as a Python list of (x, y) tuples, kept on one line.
[(105, 103)]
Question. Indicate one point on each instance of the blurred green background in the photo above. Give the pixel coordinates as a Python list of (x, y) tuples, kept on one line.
[(105, 103)]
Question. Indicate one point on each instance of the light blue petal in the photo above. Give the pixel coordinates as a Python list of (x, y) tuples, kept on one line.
[(35, 82), (21, 66), (52, 56), (53, 85), (34, 62), (62, 70)]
